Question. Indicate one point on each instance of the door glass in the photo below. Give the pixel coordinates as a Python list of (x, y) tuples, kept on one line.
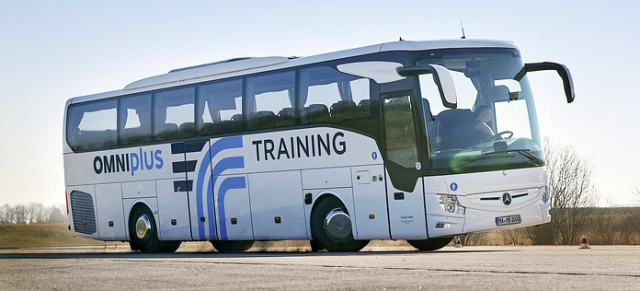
[(400, 137)]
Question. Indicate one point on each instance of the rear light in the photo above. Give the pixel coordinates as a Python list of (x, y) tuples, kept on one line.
[(66, 201)]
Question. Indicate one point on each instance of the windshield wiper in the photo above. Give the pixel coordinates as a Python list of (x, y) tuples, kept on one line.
[(524, 152)]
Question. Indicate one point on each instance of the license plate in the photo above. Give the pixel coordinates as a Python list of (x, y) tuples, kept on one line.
[(508, 220)]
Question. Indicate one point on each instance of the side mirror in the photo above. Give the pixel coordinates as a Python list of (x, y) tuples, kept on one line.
[(562, 70), (441, 76)]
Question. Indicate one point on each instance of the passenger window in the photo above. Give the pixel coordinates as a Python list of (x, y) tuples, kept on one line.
[(270, 100), (219, 108), (135, 119), (174, 114), (329, 96), (92, 125)]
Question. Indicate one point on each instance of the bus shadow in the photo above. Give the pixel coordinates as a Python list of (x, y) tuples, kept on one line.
[(26, 255)]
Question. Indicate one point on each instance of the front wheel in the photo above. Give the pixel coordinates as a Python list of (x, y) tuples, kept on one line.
[(232, 246), (431, 244), (331, 227)]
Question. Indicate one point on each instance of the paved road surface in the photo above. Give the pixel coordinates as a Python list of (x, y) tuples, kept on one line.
[(468, 268)]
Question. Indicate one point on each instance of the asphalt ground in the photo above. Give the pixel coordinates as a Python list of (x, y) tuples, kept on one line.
[(196, 267)]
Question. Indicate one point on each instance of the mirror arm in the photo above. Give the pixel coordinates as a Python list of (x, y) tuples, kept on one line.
[(561, 69), (429, 69)]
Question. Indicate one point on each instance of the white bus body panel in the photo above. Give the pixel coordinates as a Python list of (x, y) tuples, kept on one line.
[(236, 208), (196, 189), (451, 224), (139, 189), (82, 168), (109, 197), (172, 206), (406, 212), (370, 202), (524, 185), (279, 167), (277, 194)]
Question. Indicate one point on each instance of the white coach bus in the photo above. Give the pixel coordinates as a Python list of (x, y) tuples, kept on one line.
[(418, 141)]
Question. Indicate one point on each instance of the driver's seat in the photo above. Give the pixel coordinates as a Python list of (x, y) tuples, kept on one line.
[(454, 128)]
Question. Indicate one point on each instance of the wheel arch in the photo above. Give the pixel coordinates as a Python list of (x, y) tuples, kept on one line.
[(329, 194), (328, 235)]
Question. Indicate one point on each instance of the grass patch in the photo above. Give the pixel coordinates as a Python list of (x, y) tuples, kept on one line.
[(13, 236)]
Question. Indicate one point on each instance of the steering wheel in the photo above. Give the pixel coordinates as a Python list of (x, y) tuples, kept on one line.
[(499, 135)]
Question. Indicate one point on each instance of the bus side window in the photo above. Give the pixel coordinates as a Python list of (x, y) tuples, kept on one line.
[(92, 125), (219, 108), (134, 119), (174, 114), (344, 96), (270, 99)]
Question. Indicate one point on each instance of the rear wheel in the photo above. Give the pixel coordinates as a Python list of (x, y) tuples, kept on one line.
[(232, 246), (431, 244), (331, 227), (144, 235)]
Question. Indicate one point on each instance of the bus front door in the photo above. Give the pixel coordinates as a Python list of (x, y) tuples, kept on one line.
[(405, 190)]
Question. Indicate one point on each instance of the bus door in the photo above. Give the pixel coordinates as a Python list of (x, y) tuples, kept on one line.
[(197, 187), (176, 196), (405, 190)]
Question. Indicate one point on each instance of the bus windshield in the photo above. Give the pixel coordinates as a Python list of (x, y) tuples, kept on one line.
[(494, 125)]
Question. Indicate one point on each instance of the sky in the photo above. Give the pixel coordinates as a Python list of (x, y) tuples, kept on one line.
[(54, 50)]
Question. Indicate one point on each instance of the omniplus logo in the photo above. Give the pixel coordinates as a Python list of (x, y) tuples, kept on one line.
[(131, 162)]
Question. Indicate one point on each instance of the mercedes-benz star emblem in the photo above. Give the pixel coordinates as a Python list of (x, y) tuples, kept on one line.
[(506, 198)]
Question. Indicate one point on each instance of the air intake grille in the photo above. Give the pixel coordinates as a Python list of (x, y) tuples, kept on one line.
[(84, 217)]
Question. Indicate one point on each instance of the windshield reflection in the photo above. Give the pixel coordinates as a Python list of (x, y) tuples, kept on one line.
[(495, 124)]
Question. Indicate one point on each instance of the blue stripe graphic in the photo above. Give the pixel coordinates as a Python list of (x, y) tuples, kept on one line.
[(206, 162), (225, 186), (223, 165)]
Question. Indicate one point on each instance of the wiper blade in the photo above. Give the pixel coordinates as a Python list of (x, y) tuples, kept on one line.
[(524, 152)]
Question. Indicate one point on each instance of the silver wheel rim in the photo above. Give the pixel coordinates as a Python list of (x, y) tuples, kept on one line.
[(337, 224), (143, 226)]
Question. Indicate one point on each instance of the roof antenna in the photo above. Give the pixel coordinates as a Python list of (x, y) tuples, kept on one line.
[(401, 39), (463, 36)]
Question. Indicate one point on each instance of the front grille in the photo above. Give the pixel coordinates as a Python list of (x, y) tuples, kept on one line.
[(498, 198), (84, 216)]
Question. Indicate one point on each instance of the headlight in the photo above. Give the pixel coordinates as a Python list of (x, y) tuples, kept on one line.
[(545, 194), (450, 204)]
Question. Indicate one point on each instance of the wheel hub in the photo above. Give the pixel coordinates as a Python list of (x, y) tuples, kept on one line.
[(338, 224), (143, 226)]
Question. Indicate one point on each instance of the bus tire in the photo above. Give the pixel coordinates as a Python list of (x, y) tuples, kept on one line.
[(232, 246), (331, 227), (169, 246), (134, 246), (315, 247), (143, 232), (431, 244)]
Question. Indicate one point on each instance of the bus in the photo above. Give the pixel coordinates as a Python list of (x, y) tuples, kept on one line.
[(407, 140)]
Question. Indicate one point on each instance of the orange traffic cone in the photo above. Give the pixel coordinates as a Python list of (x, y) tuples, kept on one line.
[(585, 243), (458, 242)]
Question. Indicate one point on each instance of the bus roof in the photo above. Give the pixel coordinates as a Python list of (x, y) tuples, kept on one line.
[(244, 66)]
